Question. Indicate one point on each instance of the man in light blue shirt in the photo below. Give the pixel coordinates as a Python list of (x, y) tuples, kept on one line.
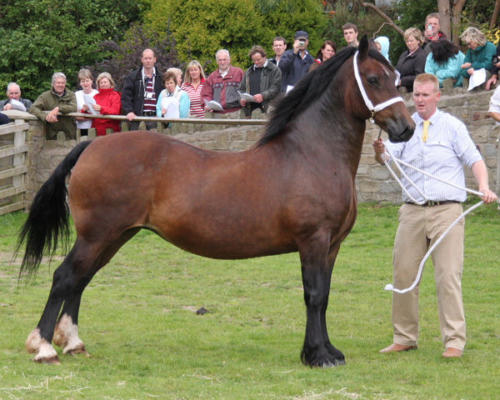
[(441, 145)]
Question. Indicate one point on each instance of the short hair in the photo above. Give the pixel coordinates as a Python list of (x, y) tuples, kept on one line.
[(105, 75), (148, 49), (472, 34), (10, 85), (433, 15), (220, 51), (177, 72), (196, 64), (257, 49), (350, 25), (170, 75), (58, 75), (416, 33), (425, 78), (85, 73), (279, 39)]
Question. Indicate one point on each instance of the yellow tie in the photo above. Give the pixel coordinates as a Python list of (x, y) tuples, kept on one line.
[(425, 134)]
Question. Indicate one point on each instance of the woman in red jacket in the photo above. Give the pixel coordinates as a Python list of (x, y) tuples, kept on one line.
[(108, 101)]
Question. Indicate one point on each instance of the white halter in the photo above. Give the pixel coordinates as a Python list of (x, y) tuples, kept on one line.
[(373, 109)]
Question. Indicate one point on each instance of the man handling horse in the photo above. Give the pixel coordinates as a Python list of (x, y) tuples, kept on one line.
[(440, 146)]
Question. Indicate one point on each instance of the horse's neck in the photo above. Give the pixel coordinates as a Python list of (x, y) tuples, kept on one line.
[(338, 134)]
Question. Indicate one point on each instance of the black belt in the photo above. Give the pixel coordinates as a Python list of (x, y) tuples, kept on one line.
[(149, 113), (432, 203)]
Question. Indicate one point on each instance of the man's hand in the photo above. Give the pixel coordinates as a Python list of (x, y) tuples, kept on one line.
[(379, 147), (490, 83), (131, 116), (488, 195), (52, 115), (8, 106), (258, 98)]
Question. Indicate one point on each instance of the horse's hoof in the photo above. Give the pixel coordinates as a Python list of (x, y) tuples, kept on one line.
[(48, 360), (77, 350)]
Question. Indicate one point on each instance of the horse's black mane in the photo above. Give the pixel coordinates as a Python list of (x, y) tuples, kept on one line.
[(309, 88)]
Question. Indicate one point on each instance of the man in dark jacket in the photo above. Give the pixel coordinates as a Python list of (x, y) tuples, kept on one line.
[(141, 90), (294, 64), (262, 80), (14, 100)]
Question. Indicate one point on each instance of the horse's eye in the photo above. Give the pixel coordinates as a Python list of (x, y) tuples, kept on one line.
[(372, 80)]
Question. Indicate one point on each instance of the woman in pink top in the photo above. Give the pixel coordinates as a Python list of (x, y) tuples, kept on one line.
[(194, 80)]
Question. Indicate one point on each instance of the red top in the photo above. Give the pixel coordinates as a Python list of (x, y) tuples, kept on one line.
[(111, 102)]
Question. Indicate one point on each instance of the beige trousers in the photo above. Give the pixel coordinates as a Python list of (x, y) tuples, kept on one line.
[(419, 227)]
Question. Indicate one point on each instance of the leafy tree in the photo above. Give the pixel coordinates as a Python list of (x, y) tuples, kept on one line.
[(126, 55), (201, 27), (40, 37)]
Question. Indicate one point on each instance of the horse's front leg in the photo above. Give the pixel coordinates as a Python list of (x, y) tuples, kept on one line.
[(317, 266)]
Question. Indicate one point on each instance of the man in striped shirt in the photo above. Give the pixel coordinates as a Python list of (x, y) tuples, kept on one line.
[(141, 90), (441, 145)]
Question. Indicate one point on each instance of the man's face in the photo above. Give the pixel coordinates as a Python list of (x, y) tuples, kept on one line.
[(279, 47), (258, 60), (434, 22), (426, 98), (14, 92), (148, 59), (223, 61), (59, 85), (350, 35)]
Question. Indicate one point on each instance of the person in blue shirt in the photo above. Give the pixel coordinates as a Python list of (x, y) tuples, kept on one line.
[(172, 102), (445, 61)]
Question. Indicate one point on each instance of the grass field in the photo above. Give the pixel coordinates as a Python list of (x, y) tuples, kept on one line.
[(139, 324)]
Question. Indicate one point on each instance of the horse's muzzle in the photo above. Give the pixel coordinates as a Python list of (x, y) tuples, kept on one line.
[(400, 131)]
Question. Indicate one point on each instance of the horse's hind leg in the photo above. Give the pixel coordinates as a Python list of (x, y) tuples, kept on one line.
[(317, 266), (69, 282), (39, 340)]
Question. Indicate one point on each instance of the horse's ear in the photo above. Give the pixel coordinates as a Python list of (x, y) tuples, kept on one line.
[(363, 47)]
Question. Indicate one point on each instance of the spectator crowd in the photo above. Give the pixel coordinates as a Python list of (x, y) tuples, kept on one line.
[(149, 92)]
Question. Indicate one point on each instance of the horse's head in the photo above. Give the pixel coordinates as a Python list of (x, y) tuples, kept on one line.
[(379, 97)]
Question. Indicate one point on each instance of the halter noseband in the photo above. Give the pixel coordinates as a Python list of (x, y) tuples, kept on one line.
[(373, 109)]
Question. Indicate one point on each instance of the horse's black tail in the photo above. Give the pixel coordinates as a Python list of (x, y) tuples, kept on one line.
[(48, 216)]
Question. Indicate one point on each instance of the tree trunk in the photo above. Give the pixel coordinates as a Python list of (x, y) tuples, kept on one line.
[(494, 17), (456, 17), (444, 17)]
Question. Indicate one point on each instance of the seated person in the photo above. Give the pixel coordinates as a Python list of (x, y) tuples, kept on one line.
[(262, 80), (412, 61), (57, 100), (383, 44), (445, 61), (108, 101), (173, 102), (13, 97), (495, 69), (480, 53)]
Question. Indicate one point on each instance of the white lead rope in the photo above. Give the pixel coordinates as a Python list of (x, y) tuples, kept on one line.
[(397, 162)]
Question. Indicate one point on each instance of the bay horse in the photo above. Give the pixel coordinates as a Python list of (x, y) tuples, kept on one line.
[(292, 191)]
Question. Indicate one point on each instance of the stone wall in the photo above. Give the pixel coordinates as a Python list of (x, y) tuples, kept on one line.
[(374, 182)]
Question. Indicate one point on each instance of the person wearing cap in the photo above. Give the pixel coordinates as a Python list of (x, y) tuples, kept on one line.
[(295, 63)]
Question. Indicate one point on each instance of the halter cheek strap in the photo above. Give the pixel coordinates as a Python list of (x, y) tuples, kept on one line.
[(373, 109)]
